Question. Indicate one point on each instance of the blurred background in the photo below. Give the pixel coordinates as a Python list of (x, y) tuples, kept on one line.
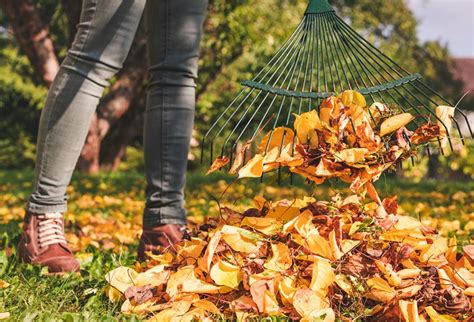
[(431, 37)]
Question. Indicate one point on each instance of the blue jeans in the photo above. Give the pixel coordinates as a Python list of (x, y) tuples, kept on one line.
[(105, 34)]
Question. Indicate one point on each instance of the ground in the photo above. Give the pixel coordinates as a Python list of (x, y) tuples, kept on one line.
[(104, 219)]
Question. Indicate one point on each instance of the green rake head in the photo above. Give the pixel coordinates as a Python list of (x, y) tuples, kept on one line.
[(324, 56)]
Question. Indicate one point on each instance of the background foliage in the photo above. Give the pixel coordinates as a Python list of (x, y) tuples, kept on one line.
[(240, 37)]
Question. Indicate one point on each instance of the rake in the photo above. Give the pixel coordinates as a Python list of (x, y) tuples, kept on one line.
[(324, 56)]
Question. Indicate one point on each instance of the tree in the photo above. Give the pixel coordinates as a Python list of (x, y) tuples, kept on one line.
[(32, 36)]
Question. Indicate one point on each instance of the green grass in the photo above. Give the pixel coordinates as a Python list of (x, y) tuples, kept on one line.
[(33, 295)]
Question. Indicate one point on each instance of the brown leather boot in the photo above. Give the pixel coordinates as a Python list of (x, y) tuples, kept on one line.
[(160, 238), (43, 243)]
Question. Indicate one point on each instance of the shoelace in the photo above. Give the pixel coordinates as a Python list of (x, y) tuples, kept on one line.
[(50, 229)]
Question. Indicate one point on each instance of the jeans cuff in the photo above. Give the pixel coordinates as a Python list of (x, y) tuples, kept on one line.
[(43, 209), (164, 215)]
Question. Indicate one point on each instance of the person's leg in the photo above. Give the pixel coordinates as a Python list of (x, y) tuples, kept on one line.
[(103, 40), (104, 37), (174, 29)]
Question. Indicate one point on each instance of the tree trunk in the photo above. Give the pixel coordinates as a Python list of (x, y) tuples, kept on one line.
[(89, 160), (72, 8), (114, 106), (32, 36)]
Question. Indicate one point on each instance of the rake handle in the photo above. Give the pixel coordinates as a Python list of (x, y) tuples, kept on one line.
[(318, 6)]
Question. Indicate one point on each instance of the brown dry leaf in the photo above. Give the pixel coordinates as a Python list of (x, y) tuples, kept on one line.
[(395, 122), (218, 164), (425, 133)]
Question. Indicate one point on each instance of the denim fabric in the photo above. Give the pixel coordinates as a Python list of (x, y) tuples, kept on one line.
[(105, 34)]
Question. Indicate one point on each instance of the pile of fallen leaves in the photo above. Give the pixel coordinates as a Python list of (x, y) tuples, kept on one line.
[(343, 139), (304, 259), (348, 259)]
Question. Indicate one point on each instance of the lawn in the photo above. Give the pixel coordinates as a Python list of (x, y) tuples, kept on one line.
[(104, 219)]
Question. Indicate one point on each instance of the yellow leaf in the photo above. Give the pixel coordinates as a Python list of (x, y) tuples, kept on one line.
[(285, 213), (155, 276), (306, 125), (207, 306), (344, 283), (224, 273), (266, 225), (395, 122), (239, 239), (190, 250), (336, 252), (185, 280), (281, 259), (121, 278), (113, 294), (464, 277), (380, 290), (409, 311), (318, 245), (445, 114), (324, 315), (351, 97), (390, 275), (407, 222), (306, 301), (347, 245), (165, 258), (206, 261), (279, 137), (4, 284), (436, 317), (439, 247), (323, 276), (409, 292), (353, 155), (409, 273), (167, 315), (253, 168), (469, 291), (302, 224), (287, 289)]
